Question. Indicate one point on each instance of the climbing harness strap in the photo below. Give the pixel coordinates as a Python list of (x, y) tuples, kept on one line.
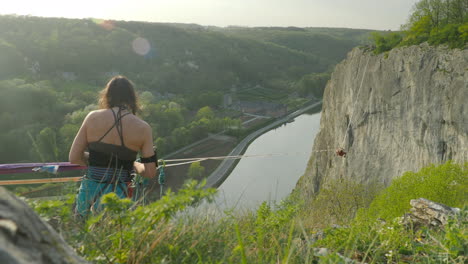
[(162, 178)]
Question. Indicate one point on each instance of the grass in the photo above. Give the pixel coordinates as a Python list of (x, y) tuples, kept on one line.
[(175, 230)]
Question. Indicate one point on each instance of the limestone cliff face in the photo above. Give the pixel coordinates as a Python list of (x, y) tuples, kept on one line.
[(392, 113)]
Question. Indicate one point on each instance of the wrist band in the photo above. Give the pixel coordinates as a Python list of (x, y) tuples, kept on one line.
[(153, 158)]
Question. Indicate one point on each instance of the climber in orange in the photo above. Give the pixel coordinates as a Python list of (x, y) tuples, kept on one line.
[(341, 152)]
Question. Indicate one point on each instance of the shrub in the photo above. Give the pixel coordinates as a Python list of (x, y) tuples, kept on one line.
[(391, 242), (338, 202), (388, 241), (446, 183), (450, 34), (386, 42)]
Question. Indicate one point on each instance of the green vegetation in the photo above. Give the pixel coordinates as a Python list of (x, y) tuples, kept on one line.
[(292, 231), (329, 45), (196, 171), (51, 70), (435, 21), (392, 242), (447, 184), (310, 82)]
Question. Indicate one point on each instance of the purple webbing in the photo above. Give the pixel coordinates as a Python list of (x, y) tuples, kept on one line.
[(27, 167)]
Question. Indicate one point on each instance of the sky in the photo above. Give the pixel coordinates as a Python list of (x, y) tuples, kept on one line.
[(365, 14)]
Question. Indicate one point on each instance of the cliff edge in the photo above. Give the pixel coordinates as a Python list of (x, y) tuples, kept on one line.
[(392, 113)]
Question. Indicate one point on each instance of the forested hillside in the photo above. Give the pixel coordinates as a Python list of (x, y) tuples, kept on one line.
[(51, 70), (330, 45)]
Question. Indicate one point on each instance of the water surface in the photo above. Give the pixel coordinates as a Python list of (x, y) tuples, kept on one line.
[(259, 179)]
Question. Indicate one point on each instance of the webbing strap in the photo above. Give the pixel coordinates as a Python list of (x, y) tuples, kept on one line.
[(116, 124)]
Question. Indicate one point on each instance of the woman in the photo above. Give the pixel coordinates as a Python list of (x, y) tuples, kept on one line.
[(113, 136)]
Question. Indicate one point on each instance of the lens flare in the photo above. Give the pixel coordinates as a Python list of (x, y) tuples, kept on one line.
[(105, 24), (141, 46)]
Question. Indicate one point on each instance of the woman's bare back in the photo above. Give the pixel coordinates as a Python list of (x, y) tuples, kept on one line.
[(133, 128)]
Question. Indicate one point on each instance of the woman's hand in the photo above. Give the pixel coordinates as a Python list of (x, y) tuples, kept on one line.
[(139, 167)]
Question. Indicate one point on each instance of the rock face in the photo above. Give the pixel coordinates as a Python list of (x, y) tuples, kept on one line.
[(26, 238), (391, 113)]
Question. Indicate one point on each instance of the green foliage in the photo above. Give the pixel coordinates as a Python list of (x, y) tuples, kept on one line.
[(61, 64), (205, 112), (123, 232), (211, 99), (182, 135), (419, 31), (435, 21), (196, 171), (269, 219), (456, 234), (45, 145), (181, 59), (259, 93), (463, 29), (392, 242), (11, 61), (338, 201), (450, 34), (34, 109), (330, 44), (386, 42), (163, 232), (313, 84), (446, 183), (59, 210), (379, 241)]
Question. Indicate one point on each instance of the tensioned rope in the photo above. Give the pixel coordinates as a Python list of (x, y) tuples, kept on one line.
[(66, 166)]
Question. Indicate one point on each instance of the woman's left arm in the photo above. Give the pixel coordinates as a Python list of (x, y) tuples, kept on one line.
[(77, 153)]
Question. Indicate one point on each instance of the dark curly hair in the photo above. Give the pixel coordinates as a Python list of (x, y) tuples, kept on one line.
[(119, 92)]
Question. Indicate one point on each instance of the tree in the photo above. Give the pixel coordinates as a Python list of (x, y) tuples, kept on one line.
[(205, 112), (45, 145), (11, 60), (196, 170), (66, 135), (313, 83), (438, 22), (435, 21), (181, 136)]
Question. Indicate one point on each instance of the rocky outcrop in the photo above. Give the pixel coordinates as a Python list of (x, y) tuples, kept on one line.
[(428, 213), (392, 113), (26, 238)]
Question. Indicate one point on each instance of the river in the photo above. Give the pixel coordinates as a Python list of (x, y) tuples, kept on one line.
[(271, 178)]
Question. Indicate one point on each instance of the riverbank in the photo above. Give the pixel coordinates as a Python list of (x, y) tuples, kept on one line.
[(218, 176)]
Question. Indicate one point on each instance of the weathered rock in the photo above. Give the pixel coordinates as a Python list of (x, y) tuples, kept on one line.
[(391, 113), (428, 213), (26, 238)]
